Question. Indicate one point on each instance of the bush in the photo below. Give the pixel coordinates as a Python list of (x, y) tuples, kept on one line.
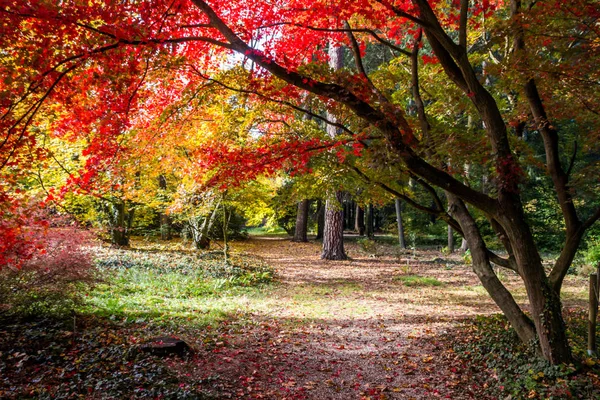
[(48, 281)]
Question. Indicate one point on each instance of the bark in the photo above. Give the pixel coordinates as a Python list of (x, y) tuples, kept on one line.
[(121, 221), (320, 219), (369, 224), (401, 240), (333, 237), (481, 266), (544, 302), (450, 240), (300, 232), (359, 221), (464, 245), (200, 230)]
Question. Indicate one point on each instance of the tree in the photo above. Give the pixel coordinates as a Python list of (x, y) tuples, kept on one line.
[(301, 229), (104, 69)]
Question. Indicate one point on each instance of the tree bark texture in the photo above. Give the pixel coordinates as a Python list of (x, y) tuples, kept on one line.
[(333, 237), (300, 232), (482, 267), (450, 240), (121, 221), (359, 221), (401, 240), (369, 223)]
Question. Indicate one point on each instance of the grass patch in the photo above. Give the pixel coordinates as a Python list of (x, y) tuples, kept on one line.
[(417, 280), (265, 231), (161, 287)]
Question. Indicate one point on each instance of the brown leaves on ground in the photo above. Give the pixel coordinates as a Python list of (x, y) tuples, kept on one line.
[(348, 329)]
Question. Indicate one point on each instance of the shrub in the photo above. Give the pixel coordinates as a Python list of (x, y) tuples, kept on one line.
[(47, 281)]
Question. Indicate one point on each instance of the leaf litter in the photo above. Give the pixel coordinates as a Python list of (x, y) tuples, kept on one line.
[(327, 330)]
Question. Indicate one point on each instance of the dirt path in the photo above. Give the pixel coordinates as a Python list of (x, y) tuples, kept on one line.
[(349, 329)]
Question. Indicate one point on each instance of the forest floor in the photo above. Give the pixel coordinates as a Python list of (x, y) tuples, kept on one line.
[(380, 325), (377, 326)]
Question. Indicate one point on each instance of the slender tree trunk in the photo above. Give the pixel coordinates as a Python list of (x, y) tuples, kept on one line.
[(464, 245), (359, 220), (401, 240), (546, 308), (369, 224), (450, 240), (165, 220), (333, 237), (481, 265), (200, 232), (226, 216), (121, 223), (320, 219), (300, 232)]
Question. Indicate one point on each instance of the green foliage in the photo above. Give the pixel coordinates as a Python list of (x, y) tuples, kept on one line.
[(417, 280), (592, 254), (467, 257), (508, 367)]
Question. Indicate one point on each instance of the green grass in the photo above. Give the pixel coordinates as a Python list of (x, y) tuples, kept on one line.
[(147, 286), (265, 231), (416, 280)]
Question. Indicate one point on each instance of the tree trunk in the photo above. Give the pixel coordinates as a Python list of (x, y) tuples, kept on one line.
[(481, 266), (401, 240), (300, 232), (165, 220), (121, 222), (320, 219), (359, 220), (200, 232), (464, 245), (369, 224), (450, 240), (546, 308), (333, 237)]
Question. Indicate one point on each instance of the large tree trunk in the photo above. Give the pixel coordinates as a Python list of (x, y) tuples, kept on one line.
[(300, 232), (333, 237), (401, 240)]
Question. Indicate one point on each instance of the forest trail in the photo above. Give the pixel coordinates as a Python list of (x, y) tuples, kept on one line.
[(356, 329)]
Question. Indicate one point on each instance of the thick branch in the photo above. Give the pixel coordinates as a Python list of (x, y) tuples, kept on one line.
[(462, 30), (438, 212), (394, 126)]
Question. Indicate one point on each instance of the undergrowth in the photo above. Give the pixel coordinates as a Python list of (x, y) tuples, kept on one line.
[(510, 369)]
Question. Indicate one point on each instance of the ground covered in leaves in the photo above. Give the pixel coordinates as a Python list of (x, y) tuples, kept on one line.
[(386, 324)]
